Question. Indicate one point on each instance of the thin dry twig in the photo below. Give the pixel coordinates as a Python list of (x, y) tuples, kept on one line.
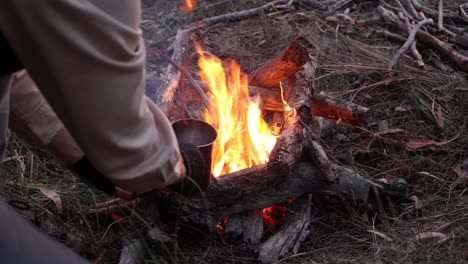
[(241, 15), (444, 48), (461, 10), (390, 35), (408, 42), (413, 9), (440, 21), (435, 14), (413, 48)]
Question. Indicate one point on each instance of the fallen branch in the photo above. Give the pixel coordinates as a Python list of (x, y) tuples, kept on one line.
[(189, 77), (164, 95), (435, 14), (333, 108), (237, 16), (408, 43), (444, 48), (391, 35), (440, 21), (414, 50)]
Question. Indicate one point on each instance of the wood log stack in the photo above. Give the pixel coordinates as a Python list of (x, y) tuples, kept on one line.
[(298, 166)]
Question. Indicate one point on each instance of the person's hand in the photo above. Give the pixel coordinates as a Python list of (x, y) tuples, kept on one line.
[(123, 194), (197, 175)]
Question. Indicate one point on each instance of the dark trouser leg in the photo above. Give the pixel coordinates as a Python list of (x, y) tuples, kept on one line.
[(4, 110), (21, 242)]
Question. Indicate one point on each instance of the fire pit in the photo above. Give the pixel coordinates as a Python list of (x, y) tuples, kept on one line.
[(265, 172)]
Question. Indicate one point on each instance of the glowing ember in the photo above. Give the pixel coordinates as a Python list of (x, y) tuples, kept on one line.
[(244, 138), (187, 6)]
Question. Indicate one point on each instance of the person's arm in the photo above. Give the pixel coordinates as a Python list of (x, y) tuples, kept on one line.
[(87, 57), (32, 119)]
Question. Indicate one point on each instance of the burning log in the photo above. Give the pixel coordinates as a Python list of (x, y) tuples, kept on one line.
[(322, 105), (281, 67), (329, 107), (165, 94)]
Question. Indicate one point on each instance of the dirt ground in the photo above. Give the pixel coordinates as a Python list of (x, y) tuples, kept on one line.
[(416, 130)]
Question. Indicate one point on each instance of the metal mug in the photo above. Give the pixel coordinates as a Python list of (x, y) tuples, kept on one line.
[(202, 135)]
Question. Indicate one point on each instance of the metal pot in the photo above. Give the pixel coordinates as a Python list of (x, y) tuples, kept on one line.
[(199, 133)]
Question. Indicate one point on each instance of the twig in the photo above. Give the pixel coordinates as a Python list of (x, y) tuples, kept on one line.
[(110, 206), (462, 11), (417, 55), (434, 14), (408, 42), (390, 35), (413, 9), (429, 40), (414, 50), (440, 21), (237, 16), (338, 5)]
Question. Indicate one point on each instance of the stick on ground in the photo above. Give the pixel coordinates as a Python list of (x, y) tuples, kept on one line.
[(408, 43)]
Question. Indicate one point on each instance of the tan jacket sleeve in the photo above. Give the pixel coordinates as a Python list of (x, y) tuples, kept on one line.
[(30, 115), (88, 59)]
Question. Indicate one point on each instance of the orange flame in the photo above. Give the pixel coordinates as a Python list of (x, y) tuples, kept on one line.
[(187, 6), (244, 138)]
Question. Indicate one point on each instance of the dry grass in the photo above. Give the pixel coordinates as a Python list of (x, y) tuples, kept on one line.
[(352, 65)]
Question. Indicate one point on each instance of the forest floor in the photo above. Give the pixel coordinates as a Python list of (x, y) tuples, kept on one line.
[(416, 130)]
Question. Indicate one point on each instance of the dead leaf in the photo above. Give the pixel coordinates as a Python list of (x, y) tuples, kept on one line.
[(417, 144), (441, 238), (342, 137), (52, 195), (117, 218), (401, 109), (380, 234), (383, 125), (440, 117), (417, 202), (462, 172), (389, 131)]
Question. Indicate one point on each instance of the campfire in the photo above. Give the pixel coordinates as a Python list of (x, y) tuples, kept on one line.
[(267, 160), (244, 138)]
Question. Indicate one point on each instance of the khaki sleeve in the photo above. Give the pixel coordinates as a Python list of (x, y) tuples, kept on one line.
[(88, 60), (30, 115)]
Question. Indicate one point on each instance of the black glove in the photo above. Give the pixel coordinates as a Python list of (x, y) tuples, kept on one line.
[(196, 172), (10, 62), (92, 177)]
